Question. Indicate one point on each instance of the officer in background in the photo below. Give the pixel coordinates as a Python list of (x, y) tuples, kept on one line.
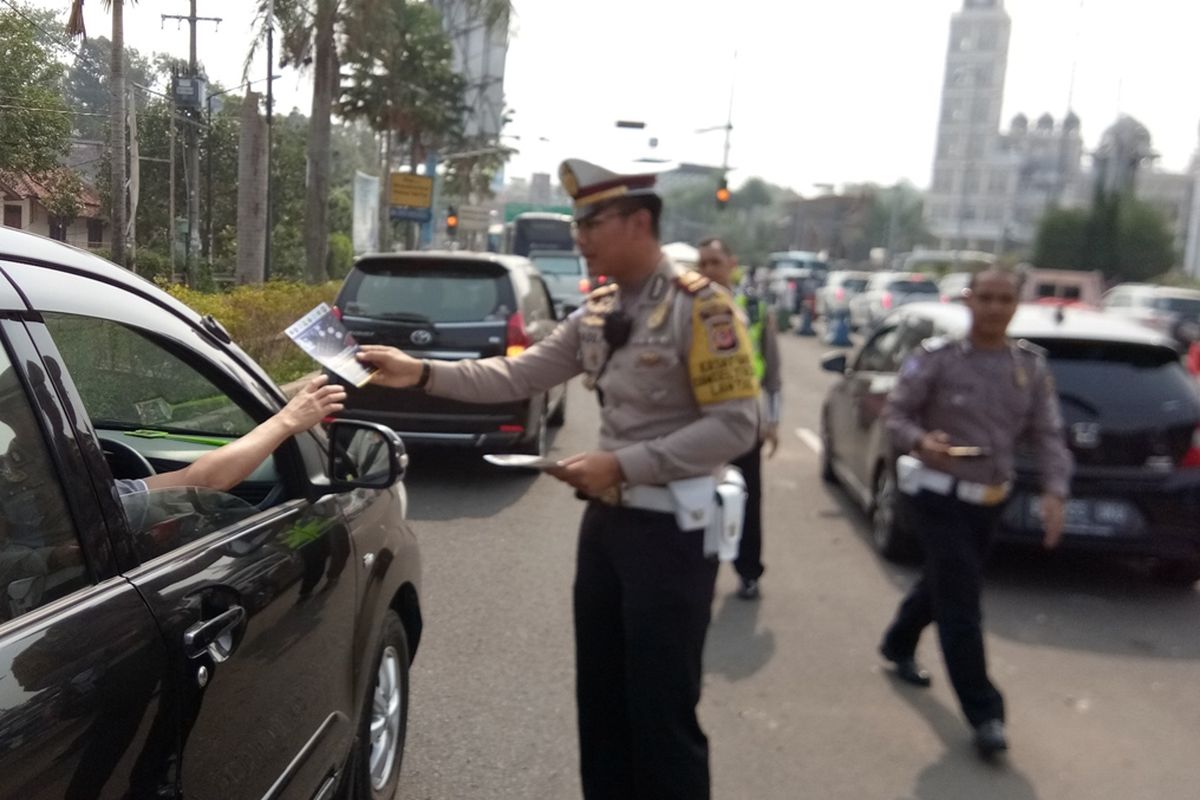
[(718, 264), (959, 407), (673, 369)]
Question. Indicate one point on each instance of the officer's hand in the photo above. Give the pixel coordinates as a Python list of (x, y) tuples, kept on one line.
[(770, 438), (934, 450), (591, 473), (1053, 519), (396, 368)]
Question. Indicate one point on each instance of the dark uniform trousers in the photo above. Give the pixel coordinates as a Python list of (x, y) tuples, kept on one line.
[(643, 598), (749, 560), (956, 537)]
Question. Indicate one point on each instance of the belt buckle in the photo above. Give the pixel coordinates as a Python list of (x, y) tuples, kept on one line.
[(995, 494)]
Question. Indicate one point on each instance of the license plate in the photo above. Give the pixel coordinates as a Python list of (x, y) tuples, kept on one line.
[(1091, 517)]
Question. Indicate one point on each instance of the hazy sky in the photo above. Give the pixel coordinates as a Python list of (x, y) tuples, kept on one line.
[(833, 91)]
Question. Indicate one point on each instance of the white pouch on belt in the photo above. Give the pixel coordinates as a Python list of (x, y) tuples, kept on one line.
[(695, 500), (723, 536)]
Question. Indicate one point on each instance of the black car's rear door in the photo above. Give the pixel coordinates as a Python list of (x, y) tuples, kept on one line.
[(254, 609)]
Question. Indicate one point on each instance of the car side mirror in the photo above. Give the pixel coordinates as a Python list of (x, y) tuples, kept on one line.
[(834, 362), (364, 455)]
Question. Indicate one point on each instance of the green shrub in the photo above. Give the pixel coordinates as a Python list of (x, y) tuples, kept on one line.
[(341, 255), (256, 317)]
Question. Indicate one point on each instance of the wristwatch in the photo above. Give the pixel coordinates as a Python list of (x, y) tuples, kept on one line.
[(424, 379)]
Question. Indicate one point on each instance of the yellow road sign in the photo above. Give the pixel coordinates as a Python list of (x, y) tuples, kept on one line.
[(414, 191)]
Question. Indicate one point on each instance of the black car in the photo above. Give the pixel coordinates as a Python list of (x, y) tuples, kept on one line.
[(1130, 414), (452, 306), (247, 644)]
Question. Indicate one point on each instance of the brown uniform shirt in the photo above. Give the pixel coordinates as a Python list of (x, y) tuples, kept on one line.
[(680, 398), (983, 398)]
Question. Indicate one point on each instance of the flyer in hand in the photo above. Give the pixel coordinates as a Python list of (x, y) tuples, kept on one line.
[(323, 336)]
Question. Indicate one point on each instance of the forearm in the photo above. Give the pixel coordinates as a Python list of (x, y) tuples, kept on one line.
[(500, 380), (227, 466), (696, 449)]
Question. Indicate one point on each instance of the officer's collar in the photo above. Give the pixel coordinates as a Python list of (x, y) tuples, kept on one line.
[(965, 346), (654, 287)]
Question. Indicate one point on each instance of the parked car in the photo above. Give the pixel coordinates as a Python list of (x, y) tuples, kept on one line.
[(452, 306), (793, 279), (953, 287), (194, 643), (566, 276), (1170, 311), (1063, 287), (887, 291), (1130, 414), (840, 286)]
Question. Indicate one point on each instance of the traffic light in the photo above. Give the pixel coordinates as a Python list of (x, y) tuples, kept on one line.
[(452, 222), (723, 195)]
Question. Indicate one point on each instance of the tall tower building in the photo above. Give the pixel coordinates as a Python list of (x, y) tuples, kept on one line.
[(969, 125)]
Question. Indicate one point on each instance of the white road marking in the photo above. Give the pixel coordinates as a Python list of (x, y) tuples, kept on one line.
[(811, 439)]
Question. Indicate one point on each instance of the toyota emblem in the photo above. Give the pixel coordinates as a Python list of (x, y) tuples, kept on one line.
[(421, 337)]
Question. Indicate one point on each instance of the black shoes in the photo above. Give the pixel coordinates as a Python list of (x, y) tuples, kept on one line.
[(907, 669), (990, 738), (749, 590)]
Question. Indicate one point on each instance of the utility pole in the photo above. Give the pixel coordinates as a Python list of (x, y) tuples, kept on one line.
[(270, 128), (192, 140)]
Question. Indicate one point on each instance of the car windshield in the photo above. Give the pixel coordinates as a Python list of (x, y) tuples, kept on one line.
[(558, 265), (435, 293), (913, 287), (1188, 306), (1115, 380)]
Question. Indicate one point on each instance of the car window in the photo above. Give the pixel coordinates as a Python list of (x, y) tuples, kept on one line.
[(1118, 301), (439, 292), (854, 284), (40, 557), (1117, 382), (878, 354), (913, 287), (538, 305), (558, 265), (129, 382), (912, 331), (1187, 306)]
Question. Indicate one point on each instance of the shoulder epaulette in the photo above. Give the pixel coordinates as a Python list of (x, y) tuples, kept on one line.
[(1031, 348), (604, 291), (692, 282), (934, 343)]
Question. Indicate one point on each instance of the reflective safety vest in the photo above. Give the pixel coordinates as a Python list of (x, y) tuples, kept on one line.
[(756, 317)]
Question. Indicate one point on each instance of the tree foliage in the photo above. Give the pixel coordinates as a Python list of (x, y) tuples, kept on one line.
[(1123, 237), (35, 127)]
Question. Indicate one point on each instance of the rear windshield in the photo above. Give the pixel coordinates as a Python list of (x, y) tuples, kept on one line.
[(855, 284), (439, 293), (1179, 305), (1123, 379), (558, 265), (913, 287)]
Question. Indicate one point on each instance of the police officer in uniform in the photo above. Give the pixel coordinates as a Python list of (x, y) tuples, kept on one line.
[(959, 407), (672, 366), (718, 264)]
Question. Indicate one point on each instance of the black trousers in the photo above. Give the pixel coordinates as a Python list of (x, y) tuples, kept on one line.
[(643, 600), (749, 561), (957, 537)]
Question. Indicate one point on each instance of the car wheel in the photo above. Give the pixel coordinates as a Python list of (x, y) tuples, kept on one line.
[(539, 445), (1177, 572), (827, 473), (889, 539), (384, 723), (559, 417)]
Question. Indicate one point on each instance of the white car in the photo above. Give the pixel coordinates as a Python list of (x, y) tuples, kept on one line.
[(839, 288), (886, 291), (1171, 311)]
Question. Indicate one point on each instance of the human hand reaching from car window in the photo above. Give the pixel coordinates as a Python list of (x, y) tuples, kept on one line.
[(396, 368), (316, 401)]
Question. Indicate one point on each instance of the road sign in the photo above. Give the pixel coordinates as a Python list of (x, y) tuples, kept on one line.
[(414, 191), (409, 214), (474, 218)]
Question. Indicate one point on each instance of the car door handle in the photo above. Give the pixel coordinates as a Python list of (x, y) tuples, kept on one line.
[(214, 636)]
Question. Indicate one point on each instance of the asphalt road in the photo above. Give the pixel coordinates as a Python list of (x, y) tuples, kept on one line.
[(1100, 667)]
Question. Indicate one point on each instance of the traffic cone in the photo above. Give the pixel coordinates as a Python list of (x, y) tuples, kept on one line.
[(837, 332), (806, 322)]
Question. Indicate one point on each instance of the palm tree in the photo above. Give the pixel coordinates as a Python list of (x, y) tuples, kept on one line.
[(116, 85)]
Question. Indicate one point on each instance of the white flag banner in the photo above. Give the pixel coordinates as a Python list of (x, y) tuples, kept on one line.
[(366, 213)]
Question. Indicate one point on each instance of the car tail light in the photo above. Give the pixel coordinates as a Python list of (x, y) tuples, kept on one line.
[(1191, 459), (791, 286), (840, 294), (945, 298), (512, 428), (887, 301), (337, 312), (518, 337), (585, 286), (602, 279)]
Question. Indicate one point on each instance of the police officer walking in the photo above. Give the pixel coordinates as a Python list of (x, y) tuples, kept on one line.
[(959, 407), (672, 366), (718, 264)]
